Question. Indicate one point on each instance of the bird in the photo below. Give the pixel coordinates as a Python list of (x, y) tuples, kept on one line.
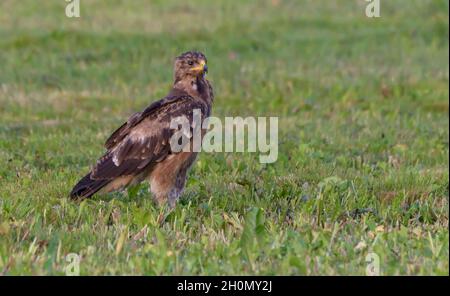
[(140, 149)]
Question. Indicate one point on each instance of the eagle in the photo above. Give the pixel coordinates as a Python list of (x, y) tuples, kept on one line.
[(140, 150)]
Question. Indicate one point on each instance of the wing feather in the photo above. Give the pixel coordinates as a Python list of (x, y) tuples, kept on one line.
[(145, 138), (136, 118)]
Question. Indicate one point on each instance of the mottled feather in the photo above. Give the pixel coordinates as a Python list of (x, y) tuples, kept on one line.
[(143, 141)]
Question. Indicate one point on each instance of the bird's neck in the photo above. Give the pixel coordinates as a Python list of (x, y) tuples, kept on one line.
[(195, 86)]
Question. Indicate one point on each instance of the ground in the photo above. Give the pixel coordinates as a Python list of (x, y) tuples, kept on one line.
[(363, 146)]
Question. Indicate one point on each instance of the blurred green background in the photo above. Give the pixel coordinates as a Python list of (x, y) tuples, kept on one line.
[(363, 153)]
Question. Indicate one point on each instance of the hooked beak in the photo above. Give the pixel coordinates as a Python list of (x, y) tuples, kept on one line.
[(202, 68)]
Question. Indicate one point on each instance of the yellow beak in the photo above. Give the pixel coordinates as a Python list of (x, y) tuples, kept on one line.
[(201, 68)]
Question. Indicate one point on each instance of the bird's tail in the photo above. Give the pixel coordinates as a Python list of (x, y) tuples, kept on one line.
[(87, 187)]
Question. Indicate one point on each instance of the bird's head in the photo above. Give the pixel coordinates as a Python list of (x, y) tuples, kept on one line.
[(190, 64)]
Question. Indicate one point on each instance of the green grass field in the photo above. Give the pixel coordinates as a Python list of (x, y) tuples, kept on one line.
[(363, 146)]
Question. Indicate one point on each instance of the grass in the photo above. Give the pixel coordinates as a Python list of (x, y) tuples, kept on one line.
[(363, 153)]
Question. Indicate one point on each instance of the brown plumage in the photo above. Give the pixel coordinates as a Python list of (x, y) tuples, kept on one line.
[(140, 149)]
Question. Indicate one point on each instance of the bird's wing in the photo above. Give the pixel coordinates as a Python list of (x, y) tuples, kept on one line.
[(144, 138), (136, 118)]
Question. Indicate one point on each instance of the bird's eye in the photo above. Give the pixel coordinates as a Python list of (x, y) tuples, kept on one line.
[(190, 63)]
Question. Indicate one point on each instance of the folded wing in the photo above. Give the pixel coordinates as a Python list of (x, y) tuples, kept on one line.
[(139, 143)]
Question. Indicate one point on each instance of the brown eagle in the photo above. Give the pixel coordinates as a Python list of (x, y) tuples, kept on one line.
[(140, 149)]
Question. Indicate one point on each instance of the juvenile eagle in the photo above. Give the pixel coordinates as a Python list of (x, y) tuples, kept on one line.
[(140, 149)]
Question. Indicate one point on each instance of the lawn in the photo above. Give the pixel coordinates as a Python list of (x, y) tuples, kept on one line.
[(363, 160)]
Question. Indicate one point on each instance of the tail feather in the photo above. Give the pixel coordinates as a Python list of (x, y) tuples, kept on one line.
[(87, 187)]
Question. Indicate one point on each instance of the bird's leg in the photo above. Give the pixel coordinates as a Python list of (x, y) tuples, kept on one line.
[(173, 197), (165, 194), (160, 199), (168, 179), (167, 203), (160, 187), (180, 182), (178, 189)]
